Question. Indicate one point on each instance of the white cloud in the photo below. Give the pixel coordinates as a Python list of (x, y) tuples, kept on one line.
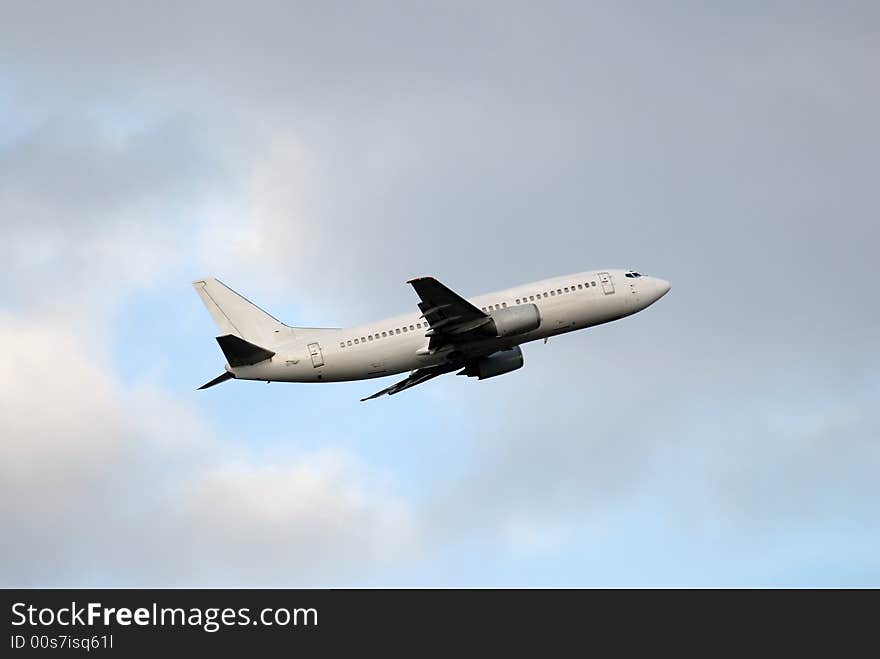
[(103, 484), (312, 519), (87, 210), (269, 226), (531, 536)]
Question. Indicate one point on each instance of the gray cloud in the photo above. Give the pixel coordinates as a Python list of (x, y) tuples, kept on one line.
[(89, 208), (318, 159)]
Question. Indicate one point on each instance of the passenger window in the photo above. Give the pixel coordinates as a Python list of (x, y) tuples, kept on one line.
[(370, 337), (342, 344), (504, 304), (517, 300), (397, 331), (593, 284), (384, 334), (580, 286), (566, 289), (553, 293), (363, 340), (356, 342), (349, 342), (412, 327)]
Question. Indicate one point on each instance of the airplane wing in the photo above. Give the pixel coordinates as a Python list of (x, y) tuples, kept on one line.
[(451, 318), (448, 314), (416, 377)]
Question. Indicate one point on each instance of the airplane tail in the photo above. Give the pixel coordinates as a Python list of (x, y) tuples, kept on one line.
[(235, 315)]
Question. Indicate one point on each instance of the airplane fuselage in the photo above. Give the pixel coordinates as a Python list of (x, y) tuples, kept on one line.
[(399, 344)]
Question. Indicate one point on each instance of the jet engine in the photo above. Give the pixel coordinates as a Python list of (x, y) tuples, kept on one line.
[(515, 320), (498, 363)]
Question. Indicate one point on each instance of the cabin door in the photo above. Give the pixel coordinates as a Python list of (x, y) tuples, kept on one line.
[(316, 354)]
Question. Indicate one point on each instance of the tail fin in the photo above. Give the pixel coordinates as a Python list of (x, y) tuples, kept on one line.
[(233, 314)]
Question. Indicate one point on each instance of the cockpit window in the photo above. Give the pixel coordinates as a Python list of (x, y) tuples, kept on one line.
[(632, 274)]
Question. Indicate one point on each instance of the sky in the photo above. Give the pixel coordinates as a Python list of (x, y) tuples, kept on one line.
[(316, 156)]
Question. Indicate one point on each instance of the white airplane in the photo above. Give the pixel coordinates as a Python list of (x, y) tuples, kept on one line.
[(479, 337)]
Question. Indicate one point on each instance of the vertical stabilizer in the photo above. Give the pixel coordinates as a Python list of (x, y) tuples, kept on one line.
[(234, 314)]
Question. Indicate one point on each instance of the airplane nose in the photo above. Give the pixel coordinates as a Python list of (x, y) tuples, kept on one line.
[(662, 287)]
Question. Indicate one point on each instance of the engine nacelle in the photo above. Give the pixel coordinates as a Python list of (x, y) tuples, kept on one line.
[(515, 320), (498, 363)]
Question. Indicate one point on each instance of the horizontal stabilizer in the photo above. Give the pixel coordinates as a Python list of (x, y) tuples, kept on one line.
[(240, 352), (220, 378)]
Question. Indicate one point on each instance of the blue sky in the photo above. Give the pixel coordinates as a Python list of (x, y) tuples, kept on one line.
[(315, 160)]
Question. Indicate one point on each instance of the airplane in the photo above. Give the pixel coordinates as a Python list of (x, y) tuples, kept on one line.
[(478, 337)]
